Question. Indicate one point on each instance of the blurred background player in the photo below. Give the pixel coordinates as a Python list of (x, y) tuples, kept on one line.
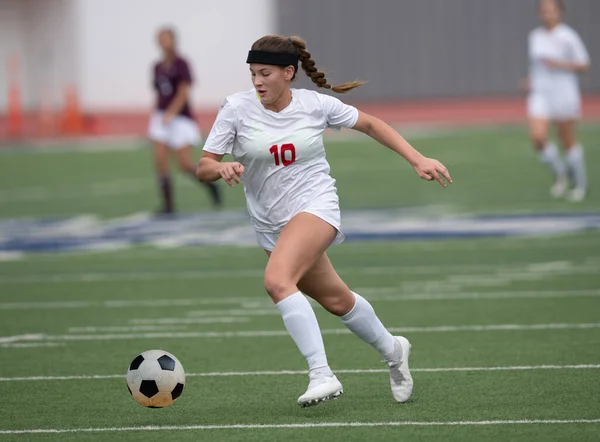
[(172, 126), (556, 56)]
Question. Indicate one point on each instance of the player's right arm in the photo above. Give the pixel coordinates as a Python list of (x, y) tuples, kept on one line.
[(220, 142), (210, 168)]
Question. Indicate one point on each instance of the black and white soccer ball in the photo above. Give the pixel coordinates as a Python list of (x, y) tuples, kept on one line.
[(155, 378)]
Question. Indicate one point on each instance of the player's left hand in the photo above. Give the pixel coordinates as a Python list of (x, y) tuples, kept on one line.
[(430, 169), (167, 118)]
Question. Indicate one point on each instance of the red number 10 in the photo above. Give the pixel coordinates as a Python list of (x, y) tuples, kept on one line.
[(277, 153)]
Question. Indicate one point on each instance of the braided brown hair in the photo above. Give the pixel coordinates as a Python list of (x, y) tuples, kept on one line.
[(297, 46)]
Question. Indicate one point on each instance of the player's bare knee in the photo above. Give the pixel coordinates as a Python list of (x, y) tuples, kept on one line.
[(538, 141), (277, 287)]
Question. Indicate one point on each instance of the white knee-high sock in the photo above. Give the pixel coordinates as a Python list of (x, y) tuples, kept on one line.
[(364, 323), (576, 162), (301, 323), (550, 156)]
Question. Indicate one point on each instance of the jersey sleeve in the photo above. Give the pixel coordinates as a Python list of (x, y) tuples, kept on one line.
[(222, 135), (338, 114), (578, 50), (185, 73)]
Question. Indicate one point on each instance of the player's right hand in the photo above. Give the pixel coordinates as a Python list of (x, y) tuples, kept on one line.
[(231, 172)]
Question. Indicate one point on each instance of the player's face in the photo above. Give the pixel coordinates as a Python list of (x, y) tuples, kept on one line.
[(549, 13), (269, 81), (165, 41)]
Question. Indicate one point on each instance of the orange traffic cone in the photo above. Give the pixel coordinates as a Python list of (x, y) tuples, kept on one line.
[(15, 106), (72, 123), (15, 111)]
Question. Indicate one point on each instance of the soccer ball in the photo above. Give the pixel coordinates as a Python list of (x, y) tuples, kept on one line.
[(155, 378)]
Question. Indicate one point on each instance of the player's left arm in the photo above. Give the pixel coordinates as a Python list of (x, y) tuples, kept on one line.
[(580, 59), (183, 90), (568, 65), (181, 97), (427, 168)]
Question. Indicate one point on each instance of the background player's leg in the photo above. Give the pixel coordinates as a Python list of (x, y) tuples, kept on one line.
[(161, 161), (575, 158), (187, 166), (549, 154)]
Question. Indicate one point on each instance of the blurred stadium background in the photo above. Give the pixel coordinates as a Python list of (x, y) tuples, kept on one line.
[(495, 282)]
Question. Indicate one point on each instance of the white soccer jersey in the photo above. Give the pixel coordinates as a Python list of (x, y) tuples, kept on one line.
[(560, 43), (282, 152)]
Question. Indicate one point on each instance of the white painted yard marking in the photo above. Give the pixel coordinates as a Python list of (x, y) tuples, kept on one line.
[(156, 325), (99, 189), (17, 338), (389, 294), (553, 268), (381, 294), (32, 345), (133, 328), (303, 372), (11, 256), (281, 333), (204, 316), (303, 426)]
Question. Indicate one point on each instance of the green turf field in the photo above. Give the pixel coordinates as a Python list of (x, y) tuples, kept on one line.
[(505, 331)]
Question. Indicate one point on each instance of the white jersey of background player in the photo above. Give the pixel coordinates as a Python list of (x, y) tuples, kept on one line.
[(556, 56), (275, 135)]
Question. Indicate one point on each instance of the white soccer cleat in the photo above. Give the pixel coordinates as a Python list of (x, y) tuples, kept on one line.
[(559, 188), (400, 378), (576, 195), (320, 389)]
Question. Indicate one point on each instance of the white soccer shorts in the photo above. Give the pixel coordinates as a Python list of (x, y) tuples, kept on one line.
[(179, 133), (554, 106)]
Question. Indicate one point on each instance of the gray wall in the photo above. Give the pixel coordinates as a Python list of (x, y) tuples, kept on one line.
[(429, 48)]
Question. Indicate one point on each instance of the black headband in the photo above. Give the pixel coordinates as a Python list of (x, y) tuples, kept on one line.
[(274, 58)]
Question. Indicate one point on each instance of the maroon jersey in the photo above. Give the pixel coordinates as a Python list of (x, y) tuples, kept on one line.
[(167, 79)]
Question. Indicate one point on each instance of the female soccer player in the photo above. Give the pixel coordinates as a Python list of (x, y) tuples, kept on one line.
[(275, 135), (556, 56), (172, 125)]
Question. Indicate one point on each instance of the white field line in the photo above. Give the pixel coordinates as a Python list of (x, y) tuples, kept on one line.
[(552, 268), (303, 372), (517, 243), (152, 325), (388, 294), (202, 317), (98, 189), (133, 328), (281, 333), (32, 344), (381, 294), (509, 243), (304, 426), (11, 256), (18, 338)]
